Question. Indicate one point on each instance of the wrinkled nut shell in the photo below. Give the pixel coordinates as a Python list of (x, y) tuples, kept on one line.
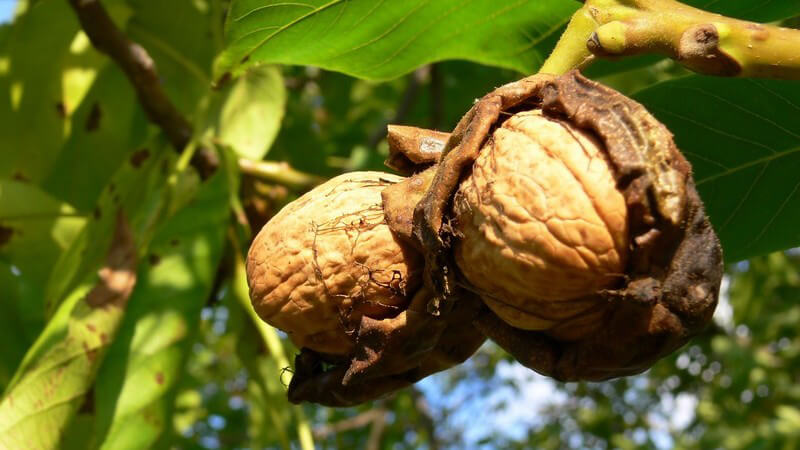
[(328, 258), (543, 225)]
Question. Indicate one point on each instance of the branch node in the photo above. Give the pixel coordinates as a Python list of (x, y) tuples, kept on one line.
[(699, 50)]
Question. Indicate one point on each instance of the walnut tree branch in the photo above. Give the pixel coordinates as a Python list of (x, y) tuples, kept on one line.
[(702, 41), (358, 421), (140, 69), (376, 432)]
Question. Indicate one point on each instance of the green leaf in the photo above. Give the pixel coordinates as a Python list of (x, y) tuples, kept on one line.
[(384, 39), (742, 137), (91, 292), (252, 113), (12, 330), (36, 229), (135, 387), (137, 188), (757, 10), (47, 67), (58, 370), (83, 107), (788, 419), (105, 129), (31, 92)]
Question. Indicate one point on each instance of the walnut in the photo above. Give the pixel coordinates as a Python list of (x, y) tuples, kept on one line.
[(542, 222), (327, 259)]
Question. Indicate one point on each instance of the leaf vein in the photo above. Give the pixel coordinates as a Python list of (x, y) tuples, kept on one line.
[(382, 35), (286, 26), (713, 129), (747, 165), (744, 198), (775, 94), (744, 110), (775, 216), (274, 5)]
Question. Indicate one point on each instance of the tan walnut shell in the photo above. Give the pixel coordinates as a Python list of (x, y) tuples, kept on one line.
[(328, 258), (543, 225)]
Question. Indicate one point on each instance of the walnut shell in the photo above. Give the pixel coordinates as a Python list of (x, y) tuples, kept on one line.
[(328, 258), (543, 224)]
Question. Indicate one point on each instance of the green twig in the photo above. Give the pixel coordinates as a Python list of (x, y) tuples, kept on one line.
[(280, 173), (571, 51), (703, 42)]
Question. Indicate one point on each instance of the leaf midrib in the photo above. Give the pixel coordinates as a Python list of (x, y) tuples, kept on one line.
[(755, 162)]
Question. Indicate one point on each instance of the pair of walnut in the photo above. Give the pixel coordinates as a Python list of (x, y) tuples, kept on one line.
[(558, 219)]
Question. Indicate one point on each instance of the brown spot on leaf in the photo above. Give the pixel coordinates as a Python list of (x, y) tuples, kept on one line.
[(174, 242), (5, 234), (139, 156), (104, 338), (93, 121), (118, 275), (97, 213), (91, 328), (91, 353), (226, 77), (61, 109), (153, 259), (19, 176), (160, 378), (152, 419)]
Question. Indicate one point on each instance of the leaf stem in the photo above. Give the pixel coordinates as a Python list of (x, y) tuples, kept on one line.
[(571, 51), (702, 41), (270, 336), (279, 172)]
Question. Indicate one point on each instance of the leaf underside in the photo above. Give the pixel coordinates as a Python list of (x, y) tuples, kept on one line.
[(383, 39), (742, 137)]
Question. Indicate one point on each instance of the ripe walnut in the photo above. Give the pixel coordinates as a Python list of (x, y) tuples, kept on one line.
[(596, 325), (542, 223), (327, 259)]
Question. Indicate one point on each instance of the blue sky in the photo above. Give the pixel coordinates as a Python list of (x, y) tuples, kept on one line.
[(7, 10)]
